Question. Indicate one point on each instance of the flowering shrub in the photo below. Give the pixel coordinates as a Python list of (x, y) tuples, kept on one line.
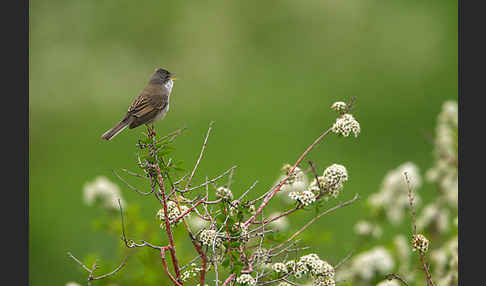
[(234, 239)]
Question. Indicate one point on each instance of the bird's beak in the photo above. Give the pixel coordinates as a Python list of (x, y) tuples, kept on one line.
[(172, 76)]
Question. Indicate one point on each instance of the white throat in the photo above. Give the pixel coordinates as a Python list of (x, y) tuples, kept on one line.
[(169, 84)]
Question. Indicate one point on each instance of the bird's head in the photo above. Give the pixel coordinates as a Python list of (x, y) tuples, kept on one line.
[(163, 75)]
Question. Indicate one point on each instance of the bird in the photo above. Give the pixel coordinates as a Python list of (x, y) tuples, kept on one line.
[(149, 106)]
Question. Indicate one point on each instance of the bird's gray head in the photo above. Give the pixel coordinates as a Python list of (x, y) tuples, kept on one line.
[(161, 75)]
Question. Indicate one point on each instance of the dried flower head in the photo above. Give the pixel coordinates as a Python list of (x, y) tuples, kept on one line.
[(420, 243), (345, 124), (224, 193), (246, 279)]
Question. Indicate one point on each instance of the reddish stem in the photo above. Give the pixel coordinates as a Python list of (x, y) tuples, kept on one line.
[(164, 264), (228, 280), (167, 225), (270, 196), (186, 212)]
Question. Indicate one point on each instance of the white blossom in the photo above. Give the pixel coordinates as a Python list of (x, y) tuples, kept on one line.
[(339, 106), (366, 228), (210, 237), (103, 191), (435, 216), (393, 196), (305, 197), (388, 283), (279, 267), (172, 212), (331, 181), (346, 124), (246, 279), (224, 193), (444, 171), (72, 284), (296, 182), (368, 264)]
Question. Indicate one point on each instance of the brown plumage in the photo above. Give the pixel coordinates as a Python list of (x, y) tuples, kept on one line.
[(151, 105)]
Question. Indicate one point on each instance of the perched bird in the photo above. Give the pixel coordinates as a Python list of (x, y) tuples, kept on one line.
[(151, 105)]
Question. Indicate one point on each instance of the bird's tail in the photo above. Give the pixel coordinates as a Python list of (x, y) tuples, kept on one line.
[(115, 130)]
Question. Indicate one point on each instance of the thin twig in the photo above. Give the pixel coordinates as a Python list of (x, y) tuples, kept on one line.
[(356, 196), (426, 269), (392, 276), (270, 196), (188, 183)]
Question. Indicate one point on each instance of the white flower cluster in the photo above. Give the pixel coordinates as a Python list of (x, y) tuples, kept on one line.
[(435, 217), (444, 171), (339, 106), (284, 284), (420, 243), (312, 264), (192, 272), (209, 237), (403, 251), (297, 180), (324, 281), (388, 283), (224, 193), (445, 262), (393, 196), (345, 124), (261, 254), (172, 212), (305, 197), (279, 267), (246, 279), (103, 191), (244, 230), (366, 228), (72, 284), (367, 264)]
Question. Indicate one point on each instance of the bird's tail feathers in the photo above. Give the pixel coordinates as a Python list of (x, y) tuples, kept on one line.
[(108, 135)]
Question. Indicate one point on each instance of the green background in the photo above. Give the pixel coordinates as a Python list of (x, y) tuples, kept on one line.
[(266, 72)]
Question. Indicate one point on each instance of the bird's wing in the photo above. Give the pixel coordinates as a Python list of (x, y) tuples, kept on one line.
[(151, 98)]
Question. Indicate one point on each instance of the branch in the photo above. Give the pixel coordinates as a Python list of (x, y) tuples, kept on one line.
[(392, 276), (200, 155), (410, 196), (356, 196), (94, 267), (270, 196)]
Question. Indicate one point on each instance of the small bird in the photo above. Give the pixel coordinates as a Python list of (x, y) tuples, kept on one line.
[(151, 105)]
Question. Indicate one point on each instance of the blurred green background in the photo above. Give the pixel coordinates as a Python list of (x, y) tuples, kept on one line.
[(266, 72)]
